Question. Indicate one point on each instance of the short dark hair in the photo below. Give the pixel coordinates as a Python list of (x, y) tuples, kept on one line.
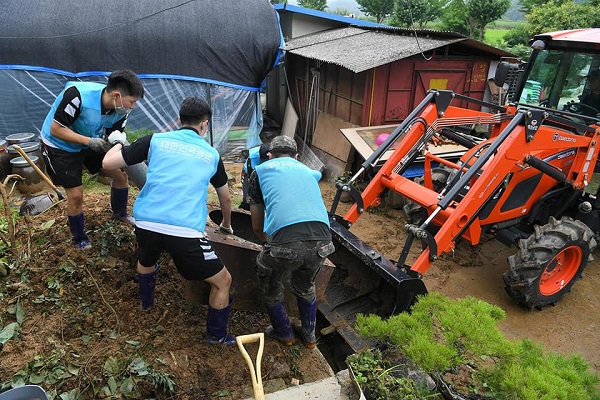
[(194, 110), (127, 82)]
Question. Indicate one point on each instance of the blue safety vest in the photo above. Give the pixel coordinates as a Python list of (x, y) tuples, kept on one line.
[(253, 158), (90, 123), (291, 193), (180, 166)]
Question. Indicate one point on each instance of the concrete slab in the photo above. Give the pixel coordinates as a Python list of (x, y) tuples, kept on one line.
[(337, 387)]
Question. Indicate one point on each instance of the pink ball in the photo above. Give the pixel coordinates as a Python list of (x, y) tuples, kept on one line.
[(381, 138)]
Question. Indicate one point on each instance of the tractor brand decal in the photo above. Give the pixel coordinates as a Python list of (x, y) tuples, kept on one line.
[(566, 154), (488, 186), (557, 137)]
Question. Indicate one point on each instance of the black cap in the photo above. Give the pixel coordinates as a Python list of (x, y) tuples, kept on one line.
[(264, 149)]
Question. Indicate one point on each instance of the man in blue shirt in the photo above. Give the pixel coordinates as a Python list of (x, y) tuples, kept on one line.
[(256, 156), (72, 135), (290, 218), (170, 211)]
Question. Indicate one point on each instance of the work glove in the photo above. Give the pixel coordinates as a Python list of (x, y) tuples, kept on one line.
[(99, 145), (117, 137), (224, 229)]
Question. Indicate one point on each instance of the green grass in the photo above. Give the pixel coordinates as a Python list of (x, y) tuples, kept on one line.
[(495, 31), (494, 36), (500, 24)]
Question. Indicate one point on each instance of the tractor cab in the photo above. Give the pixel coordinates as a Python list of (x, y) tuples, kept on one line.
[(563, 74)]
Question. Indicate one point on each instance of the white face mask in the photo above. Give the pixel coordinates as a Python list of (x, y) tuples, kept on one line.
[(122, 110)]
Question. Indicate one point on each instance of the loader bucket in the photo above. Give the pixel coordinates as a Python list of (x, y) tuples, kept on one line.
[(364, 281), (354, 279), (238, 252)]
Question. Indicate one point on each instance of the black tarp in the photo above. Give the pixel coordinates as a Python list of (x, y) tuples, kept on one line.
[(230, 41)]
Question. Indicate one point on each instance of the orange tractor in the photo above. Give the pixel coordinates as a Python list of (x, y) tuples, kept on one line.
[(531, 180)]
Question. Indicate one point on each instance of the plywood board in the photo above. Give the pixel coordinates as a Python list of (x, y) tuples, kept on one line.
[(328, 137), (290, 120), (363, 140)]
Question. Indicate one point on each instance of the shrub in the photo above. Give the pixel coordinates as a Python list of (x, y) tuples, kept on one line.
[(442, 334)]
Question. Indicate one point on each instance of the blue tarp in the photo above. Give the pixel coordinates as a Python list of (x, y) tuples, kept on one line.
[(221, 51)]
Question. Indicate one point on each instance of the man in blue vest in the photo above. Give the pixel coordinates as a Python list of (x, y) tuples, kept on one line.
[(256, 156), (72, 135), (290, 218), (170, 210)]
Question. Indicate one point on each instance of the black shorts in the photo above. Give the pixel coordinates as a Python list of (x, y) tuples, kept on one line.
[(66, 168), (194, 258)]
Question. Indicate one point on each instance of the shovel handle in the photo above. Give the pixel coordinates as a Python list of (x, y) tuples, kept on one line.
[(256, 376), (38, 170)]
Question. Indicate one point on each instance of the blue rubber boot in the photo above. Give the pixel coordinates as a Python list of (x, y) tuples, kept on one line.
[(308, 318), (146, 284), (77, 227), (216, 325), (118, 204), (280, 329)]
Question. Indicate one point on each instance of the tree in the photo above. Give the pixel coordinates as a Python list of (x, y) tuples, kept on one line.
[(528, 5), (380, 9), (483, 12), (320, 5), (455, 18), (417, 12), (341, 11), (568, 15), (278, 1)]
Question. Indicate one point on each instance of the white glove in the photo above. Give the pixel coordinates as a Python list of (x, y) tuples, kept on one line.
[(99, 145), (117, 137), (228, 230)]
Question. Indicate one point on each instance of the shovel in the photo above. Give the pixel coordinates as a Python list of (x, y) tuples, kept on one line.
[(256, 376), (38, 204)]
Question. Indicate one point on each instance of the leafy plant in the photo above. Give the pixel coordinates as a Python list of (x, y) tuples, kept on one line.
[(50, 370), (377, 378), (442, 334), (122, 380), (113, 235)]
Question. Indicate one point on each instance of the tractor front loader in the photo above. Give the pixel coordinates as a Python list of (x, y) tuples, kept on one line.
[(531, 181)]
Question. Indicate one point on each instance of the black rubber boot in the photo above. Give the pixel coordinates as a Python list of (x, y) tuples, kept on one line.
[(280, 328), (216, 325), (77, 227), (118, 204), (308, 318), (146, 284)]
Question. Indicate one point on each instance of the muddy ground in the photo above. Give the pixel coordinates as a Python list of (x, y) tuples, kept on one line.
[(572, 326), (81, 310)]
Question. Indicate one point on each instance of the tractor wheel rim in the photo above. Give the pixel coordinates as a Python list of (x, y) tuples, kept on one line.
[(560, 270)]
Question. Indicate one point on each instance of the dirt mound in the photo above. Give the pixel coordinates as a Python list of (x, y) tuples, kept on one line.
[(82, 307)]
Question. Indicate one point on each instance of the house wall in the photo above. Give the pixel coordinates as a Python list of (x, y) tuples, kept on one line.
[(341, 91), (386, 94), (294, 25), (393, 90)]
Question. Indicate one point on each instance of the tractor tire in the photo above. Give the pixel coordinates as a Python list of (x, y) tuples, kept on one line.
[(415, 214), (549, 262)]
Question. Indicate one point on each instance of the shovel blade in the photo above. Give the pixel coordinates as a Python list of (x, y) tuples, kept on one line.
[(37, 204)]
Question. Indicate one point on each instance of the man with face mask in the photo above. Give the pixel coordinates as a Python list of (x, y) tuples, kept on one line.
[(73, 136), (170, 211)]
